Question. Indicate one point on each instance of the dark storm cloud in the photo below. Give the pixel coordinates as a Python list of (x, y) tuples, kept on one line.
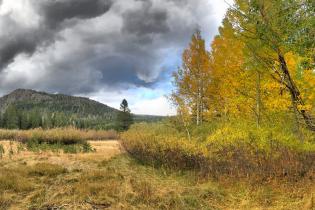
[(56, 12), (82, 46), (53, 14), (12, 47)]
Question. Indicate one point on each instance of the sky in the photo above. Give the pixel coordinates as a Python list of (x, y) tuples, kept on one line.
[(105, 50)]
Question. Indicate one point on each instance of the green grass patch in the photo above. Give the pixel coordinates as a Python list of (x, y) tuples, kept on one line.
[(36, 146)]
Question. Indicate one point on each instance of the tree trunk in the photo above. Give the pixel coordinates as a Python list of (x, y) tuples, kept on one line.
[(295, 94)]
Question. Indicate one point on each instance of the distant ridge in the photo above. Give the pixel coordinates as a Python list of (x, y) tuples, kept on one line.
[(73, 110), (28, 99)]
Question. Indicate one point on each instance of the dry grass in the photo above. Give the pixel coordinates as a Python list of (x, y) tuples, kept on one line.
[(107, 179), (57, 135)]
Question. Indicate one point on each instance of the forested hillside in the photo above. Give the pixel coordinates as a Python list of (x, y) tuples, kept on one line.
[(26, 109)]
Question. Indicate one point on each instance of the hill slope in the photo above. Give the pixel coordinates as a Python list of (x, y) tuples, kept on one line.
[(62, 110), (30, 99)]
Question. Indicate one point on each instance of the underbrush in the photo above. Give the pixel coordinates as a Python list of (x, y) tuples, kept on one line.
[(237, 149)]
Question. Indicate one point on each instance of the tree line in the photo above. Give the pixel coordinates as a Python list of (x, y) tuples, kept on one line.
[(15, 118), (261, 66)]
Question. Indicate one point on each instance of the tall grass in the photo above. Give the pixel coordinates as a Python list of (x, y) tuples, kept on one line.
[(234, 149), (57, 135)]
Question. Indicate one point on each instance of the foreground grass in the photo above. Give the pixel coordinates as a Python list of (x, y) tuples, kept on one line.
[(123, 183)]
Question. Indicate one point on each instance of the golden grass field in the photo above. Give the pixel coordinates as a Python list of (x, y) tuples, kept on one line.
[(110, 179), (104, 150)]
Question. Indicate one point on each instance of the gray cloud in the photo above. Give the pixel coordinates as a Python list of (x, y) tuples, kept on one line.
[(53, 14), (56, 12), (83, 46), (146, 20)]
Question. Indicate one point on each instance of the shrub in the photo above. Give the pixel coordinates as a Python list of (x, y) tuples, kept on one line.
[(239, 150), (231, 149), (35, 146), (161, 145)]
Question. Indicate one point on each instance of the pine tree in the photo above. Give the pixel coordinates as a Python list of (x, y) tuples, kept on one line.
[(24, 121), (124, 117), (11, 118), (35, 119)]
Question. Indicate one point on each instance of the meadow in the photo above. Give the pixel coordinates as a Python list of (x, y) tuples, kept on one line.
[(153, 166)]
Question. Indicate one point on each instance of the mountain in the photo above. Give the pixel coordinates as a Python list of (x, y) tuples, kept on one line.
[(30, 99), (64, 109)]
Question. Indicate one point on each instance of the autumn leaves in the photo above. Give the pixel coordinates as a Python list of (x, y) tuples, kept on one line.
[(260, 65)]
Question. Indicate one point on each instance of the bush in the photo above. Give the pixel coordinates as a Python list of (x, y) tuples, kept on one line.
[(162, 145), (35, 146), (234, 149), (244, 149)]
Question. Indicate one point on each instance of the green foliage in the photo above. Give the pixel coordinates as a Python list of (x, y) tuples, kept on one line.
[(35, 146), (124, 117), (11, 118), (86, 147)]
